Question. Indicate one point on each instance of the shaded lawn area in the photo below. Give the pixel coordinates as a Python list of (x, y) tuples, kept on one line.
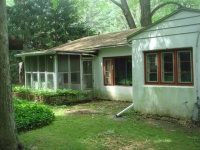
[(93, 126)]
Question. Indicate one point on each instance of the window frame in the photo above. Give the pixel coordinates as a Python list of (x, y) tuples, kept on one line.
[(112, 70), (176, 53)]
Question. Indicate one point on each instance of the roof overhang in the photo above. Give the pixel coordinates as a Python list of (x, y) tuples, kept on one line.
[(39, 53)]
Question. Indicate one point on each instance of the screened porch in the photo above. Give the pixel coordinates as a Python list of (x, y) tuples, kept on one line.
[(59, 71)]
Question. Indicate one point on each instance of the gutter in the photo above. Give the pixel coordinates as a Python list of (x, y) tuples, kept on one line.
[(35, 53), (127, 108)]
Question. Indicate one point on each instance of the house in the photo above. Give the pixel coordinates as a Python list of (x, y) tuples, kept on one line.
[(101, 63), (166, 66)]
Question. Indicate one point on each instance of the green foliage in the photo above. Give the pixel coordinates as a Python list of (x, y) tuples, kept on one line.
[(48, 93), (30, 115), (42, 24), (20, 89)]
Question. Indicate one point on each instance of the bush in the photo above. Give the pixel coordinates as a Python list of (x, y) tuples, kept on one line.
[(31, 115)]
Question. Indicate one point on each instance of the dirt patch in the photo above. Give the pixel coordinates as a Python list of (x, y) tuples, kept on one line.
[(138, 145), (113, 141), (81, 112)]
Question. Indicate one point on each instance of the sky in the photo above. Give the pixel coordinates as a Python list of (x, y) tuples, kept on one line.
[(9, 2)]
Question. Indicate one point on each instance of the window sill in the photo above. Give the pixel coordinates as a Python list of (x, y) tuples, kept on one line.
[(171, 86)]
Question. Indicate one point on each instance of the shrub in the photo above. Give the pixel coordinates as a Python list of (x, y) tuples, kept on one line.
[(30, 115)]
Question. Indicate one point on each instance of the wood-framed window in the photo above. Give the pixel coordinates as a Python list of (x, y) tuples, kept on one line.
[(173, 67), (118, 71)]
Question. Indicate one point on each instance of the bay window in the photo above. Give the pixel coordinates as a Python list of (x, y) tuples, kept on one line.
[(169, 67)]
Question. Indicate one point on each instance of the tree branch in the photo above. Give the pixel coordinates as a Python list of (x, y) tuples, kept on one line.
[(116, 3), (162, 5)]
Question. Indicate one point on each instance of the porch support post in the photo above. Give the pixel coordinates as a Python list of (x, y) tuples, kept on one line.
[(55, 72), (81, 72)]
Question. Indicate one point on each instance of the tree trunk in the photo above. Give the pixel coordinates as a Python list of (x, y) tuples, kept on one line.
[(128, 15), (8, 134), (145, 6), (126, 12)]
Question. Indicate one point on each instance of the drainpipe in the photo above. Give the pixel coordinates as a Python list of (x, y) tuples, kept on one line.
[(196, 108), (129, 107)]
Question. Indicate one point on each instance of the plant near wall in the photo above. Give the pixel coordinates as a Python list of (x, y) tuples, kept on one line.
[(60, 97), (30, 115)]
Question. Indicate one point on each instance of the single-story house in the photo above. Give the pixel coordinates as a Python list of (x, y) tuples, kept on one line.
[(102, 63), (155, 67), (166, 65)]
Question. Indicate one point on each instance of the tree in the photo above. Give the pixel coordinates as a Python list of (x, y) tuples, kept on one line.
[(42, 24), (8, 134), (146, 12), (126, 12)]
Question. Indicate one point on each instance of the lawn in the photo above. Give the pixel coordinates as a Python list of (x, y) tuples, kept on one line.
[(93, 126)]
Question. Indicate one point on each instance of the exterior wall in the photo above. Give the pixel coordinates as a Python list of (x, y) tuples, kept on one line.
[(178, 31), (101, 91)]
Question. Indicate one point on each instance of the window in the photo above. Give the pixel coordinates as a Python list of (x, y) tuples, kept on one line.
[(118, 71), (169, 67)]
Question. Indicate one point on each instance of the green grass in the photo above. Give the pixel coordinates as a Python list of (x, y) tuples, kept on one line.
[(102, 131)]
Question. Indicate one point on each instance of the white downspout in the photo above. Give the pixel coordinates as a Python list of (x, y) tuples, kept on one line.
[(197, 104), (197, 61), (129, 107)]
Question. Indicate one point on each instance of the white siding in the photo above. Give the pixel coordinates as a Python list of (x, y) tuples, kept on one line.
[(178, 31), (122, 93)]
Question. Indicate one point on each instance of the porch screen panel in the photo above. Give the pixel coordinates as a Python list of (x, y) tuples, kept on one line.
[(50, 81), (34, 66), (50, 63), (63, 63), (42, 84), (28, 80), (63, 71), (28, 64), (75, 69), (35, 82), (87, 74), (41, 60)]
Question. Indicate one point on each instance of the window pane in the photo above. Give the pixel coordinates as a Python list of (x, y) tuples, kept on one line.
[(184, 67), (129, 70), (123, 71), (167, 67), (49, 63), (120, 71), (151, 68), (63, 63), (107, 69)]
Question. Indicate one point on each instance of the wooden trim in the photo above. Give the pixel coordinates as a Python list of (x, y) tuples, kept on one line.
[(112, 70), (175, 59)]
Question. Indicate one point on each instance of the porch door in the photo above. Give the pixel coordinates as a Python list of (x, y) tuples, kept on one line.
[(87, 74)]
